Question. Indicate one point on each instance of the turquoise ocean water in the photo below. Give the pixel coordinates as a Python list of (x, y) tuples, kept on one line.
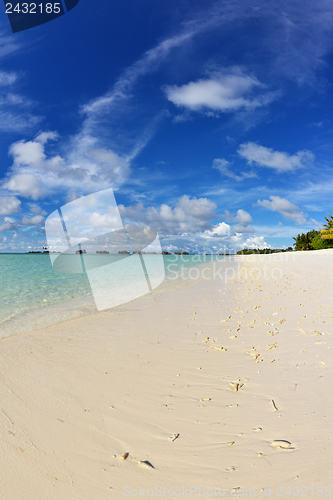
[(33, 295)]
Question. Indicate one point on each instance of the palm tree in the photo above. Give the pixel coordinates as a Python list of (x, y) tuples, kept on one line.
[(303, 241), (327, 233), (329, 224)]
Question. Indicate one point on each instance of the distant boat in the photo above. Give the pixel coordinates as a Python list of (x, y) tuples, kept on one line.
[(80, 251)]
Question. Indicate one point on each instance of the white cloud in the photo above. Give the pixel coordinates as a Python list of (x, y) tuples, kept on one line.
[(220, 93), (43, 137), (285, 208), (256, 242), (9, 205), (280, 161), (189, 215), (240, 228), (86, 166), (27, 153), (314, 222), (16, 121), (109, 220), (27, 185), (14, 113), (7, 78), (35, 209), (7, 226), (221, 229), (106, 114), (37, 220), (153, 58), (223, 166), (243, 218)]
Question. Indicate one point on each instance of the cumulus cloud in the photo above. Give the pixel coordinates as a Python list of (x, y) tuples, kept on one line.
[(256, 242), (220, 93), (34, 173), (285, 208), (231, 234), (9, 205), (43, 137), (36, 220), (35, 209), (27, 153), (222, 229), (9, 225), (223, 166), (188, 215), (110, 220), (280, 161), (243, 219), (27, 185)]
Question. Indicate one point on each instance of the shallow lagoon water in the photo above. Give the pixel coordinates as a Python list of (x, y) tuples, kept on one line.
[(34, 295)]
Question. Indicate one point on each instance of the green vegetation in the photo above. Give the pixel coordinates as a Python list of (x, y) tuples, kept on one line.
[(316, 240), (318, 243), (313, 240), (249, 251), (304, 241), (329, 221)]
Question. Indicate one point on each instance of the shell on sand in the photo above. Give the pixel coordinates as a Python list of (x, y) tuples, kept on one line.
[(174, 437), (272, 333), (235, 386), (281, 443), (218, 348), (146, 464), (123, 456)]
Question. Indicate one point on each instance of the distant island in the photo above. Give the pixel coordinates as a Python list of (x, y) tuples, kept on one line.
[(136, 252)]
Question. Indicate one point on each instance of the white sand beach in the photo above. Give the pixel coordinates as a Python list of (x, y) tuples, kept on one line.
[(76, 396)]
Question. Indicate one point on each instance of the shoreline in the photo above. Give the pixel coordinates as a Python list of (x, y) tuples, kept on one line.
[(61, 311), (77, 395)]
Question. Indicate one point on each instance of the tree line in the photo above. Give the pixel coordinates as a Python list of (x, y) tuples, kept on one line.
[(312, 240), (316, 240)]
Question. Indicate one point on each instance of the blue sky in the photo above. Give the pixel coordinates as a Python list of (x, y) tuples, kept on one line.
[(212, 123)]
